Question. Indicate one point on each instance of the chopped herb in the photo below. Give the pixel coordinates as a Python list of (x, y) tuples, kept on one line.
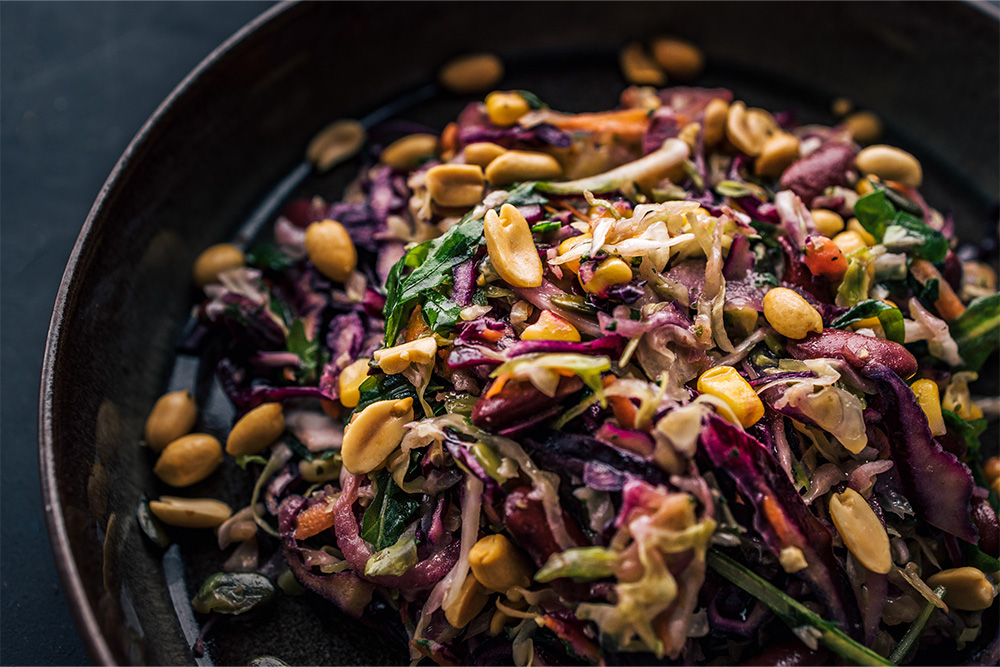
[(977, 330), (386, 518), (890, 317)]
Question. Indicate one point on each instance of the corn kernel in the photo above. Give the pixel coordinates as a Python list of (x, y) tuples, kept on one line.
[(350, 380), (725, 383), (504, 108), (611, 271), (569, 244), (829, 223), (929, 399), (854, 225), (849, 242), (551, 327)]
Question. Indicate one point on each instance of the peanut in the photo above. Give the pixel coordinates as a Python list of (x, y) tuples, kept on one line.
[(862, 532), (374, 434), (472, 73), (511, 248), (455, 185), (190, 512), (256, 430), (890, 164), (780, 150), (639, 68), (471, 599), (517, 166), (715, 121), (966, 588), (829, 223), (748, 129), (681, 60), (335, 143), (331, 249), (214, 260), (350, 380), (408, 152), (864, 126), (482, 153), (790, 314), (188, 460), (394, 360), (173, 415)]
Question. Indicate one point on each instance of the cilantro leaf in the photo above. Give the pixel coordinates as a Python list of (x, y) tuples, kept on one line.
[(306, 350), (385, 519), (873, 211), (524, 195)]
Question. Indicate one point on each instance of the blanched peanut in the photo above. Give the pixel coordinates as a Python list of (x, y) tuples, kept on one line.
[(715, 121), (173, 415), (190, 512), (829, 223), (890, 164), (929, 399), (188, 460), (335, 143), (681, 60), (865, 127), (849, 242), (639, 68), (471, 599), (780, 150), (319, 470), (472, 73), (511, 249), (455, 185), (966, 588), (498, 564), (407, 152), (483, 152), (790, 314), (726, 383), (854, 225), (256, 430), (214, 260), (612, 271), (331, 249), (550, 327), (374, 434), (393, 360), (748, 129), (516, 166), (505, 107), (350, 380), (862, 532)]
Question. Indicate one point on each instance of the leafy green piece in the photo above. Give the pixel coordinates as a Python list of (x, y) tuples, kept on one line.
[(911, 235), (873, 211), (890, 317), (268, 256), (150, 525), (246, 459), (534, 101), (385, 519), (383, 388), (393, 560), (793, 613), (233, 593), (432, 262), (544, 227), (306, 350), (977, 330), (979, 559), (966, 430), (854, 286), (524, 194), (582, 564), (440, 312), (915, 630)]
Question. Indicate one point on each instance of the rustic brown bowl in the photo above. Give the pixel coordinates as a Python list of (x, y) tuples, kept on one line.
[(211, 157)]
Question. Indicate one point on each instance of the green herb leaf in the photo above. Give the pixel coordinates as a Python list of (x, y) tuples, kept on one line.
[(306, 350), (268, 256), (977, 330), (793, 613), (874, 211), (545, 227), (440, 312), (890, 317), (533, 100), (524, 194), (979, 559), (393, 560), (910, 235), (233, 593), (383, 388), (582, 564), (385, 519), (969, 431), (432, 262)]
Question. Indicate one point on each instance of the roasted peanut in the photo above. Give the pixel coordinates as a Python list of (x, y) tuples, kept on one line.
[(455, 185), (331, 249), (864, 126), (319, 470), (190, 512), (471, 599), (511, 249), (256, 430), (505, 107), (374, 434), (350, 380), (829, 223), (681, 60), (854, 225), (173, 415), (715, 121), (335, 143), (482, 153), (214, 260), (862, 532), (639, 68), (748, 129), (780, 150), (966, 588), (849, 241), (472, 73), (409, 151), (890, 164), (516, 166), (188, 460), (499, 565), (790, 314), (393, 360)]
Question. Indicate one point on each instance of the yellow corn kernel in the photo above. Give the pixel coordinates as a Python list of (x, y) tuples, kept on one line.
[(929, 399), (725, 383), (611, 271), (350, 380), (551, 327), (854, 225), (569, 244), (499, 565), (504, 108), (849, 242)]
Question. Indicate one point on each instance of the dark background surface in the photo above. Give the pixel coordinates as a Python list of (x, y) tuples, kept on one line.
[(77, 81)]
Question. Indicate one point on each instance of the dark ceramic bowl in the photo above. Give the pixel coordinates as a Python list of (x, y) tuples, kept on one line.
[(227, 145)]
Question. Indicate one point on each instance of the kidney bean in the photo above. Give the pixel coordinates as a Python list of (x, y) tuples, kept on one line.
[(524, 518), (519, 400), (986, 522), (855, 349)]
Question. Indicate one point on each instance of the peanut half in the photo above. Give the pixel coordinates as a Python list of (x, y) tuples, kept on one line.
[(862, 532), (511, 248), (374, 433), (173, 416), (190, 512)]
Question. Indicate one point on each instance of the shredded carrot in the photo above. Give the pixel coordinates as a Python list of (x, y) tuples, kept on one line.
[(314, 520), (491, 335), (415, 328), (625, 411), (948, 305), (497, 385), (629, 124)]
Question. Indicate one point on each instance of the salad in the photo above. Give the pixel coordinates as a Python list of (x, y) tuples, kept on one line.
[(680, 381)]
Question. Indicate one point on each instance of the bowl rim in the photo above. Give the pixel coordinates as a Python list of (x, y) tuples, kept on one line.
[(84, 614)]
